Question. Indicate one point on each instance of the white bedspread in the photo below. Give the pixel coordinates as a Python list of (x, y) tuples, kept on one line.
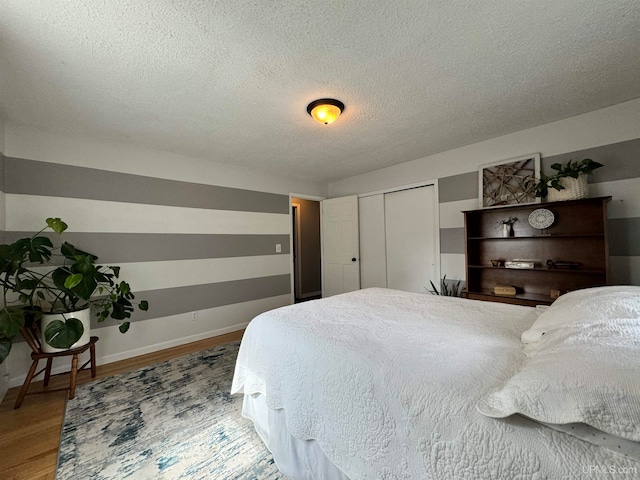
[(387, 382)]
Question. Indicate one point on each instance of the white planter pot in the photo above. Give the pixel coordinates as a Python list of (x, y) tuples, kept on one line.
[(83, 315), (574, 189)]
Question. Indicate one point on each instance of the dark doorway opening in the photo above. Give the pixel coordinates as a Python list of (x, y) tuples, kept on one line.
[(307, 276)]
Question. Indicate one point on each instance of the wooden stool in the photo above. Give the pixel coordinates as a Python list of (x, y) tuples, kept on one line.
[(32, 336)]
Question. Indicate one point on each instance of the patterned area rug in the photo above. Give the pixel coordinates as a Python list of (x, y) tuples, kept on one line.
[(173, 420)]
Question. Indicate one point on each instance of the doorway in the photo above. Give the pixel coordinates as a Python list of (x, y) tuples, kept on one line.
[(306, 251)]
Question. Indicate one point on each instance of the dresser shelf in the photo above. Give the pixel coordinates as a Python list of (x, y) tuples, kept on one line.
[(540, 237), (545, 269)]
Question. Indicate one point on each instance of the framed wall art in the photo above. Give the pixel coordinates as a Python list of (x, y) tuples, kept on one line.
[(509, 182)]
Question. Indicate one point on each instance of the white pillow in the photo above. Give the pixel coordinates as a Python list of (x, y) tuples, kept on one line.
[(583, 306), (578, 373)]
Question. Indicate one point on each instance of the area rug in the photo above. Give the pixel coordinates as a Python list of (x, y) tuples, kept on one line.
[(172, 420)]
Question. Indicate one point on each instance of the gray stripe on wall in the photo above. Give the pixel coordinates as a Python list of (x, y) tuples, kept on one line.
[(458, 187), (30, 177), (452, 240), (173, 301), (621, 160), (624, 236), (3, 162), (148, 247)]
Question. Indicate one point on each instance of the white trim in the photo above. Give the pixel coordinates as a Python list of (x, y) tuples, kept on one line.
[(400, 188), (19, 380), (297, 268), (171, 343)]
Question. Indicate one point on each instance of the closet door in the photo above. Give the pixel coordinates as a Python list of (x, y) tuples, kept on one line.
[(410, 232), (373, 255)]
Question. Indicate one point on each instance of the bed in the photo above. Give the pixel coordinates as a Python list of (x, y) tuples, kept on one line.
[(383, 384)]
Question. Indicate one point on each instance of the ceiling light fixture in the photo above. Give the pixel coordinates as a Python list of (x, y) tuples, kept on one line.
[(325, 110)]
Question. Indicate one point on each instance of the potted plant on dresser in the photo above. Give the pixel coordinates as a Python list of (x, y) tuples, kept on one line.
[(568, 183), (60, 287)]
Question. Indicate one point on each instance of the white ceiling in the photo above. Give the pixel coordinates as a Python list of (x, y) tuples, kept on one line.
[(229, 80)]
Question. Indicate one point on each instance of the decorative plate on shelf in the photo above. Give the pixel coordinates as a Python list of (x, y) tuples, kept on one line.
[(541, 218)]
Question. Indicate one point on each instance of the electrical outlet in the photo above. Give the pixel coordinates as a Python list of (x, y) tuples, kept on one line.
[(278, 248), (194, 316)]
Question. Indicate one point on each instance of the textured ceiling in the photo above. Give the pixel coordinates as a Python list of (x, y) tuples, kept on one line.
[(229, 80)]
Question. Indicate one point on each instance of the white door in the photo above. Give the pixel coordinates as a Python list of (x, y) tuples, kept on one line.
[(340, 256), (411, 231), (373, 254)]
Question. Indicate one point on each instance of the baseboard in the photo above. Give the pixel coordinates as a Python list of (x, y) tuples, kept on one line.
[(18, 381), (170, 343)]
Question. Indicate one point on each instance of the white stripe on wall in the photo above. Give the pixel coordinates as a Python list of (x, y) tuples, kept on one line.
[(451, 212), (156, 334), (626, 196), (452, 265), (182, 273), (28, 213)]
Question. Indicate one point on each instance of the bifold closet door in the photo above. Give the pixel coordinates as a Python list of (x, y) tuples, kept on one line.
[(410, 232), (373, 255)]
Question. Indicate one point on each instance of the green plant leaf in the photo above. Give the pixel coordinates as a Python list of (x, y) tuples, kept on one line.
[(122, 309), (5, 348), (68, 250), (124, 327), (116, 271), (84, 264), (39, 249), (11, 319), (61, 334), (556, 166), (124, 287), (56, 225), (143, 305), (73, 253), (85, 288), (101, 277), (59, 277), (26, 283), (73, 280), (591, 164)]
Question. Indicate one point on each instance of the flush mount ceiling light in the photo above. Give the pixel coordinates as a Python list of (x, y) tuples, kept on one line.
[(325, 110)]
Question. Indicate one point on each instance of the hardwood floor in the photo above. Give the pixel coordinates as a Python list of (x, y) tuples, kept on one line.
[(30, 436)]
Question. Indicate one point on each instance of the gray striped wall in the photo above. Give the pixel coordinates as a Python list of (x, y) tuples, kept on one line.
[(620, 178), (28, 179)]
